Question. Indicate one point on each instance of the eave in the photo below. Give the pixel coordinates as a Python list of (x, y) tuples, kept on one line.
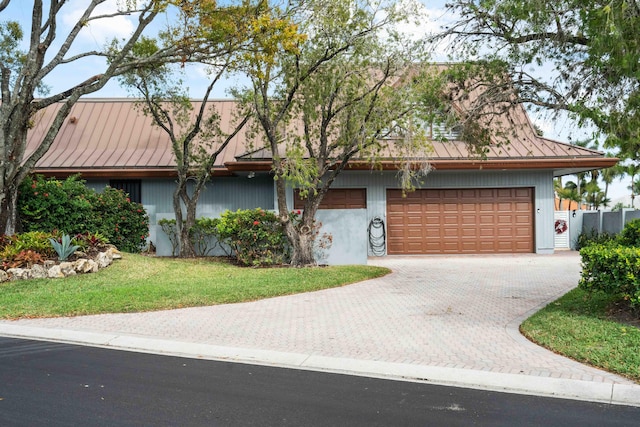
[(120, 173), (560, 166)]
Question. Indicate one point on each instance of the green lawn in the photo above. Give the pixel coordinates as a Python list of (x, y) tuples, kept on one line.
[(577, 326), (139, 283)]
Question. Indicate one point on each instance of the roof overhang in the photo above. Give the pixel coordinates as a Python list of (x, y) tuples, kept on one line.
[(559, 166), (120, 173)]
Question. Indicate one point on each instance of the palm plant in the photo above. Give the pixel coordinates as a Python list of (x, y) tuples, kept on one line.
[(609, 175), (635, 189), (592, 189)]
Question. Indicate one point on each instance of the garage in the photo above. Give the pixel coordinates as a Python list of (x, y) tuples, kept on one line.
[(460, 221)]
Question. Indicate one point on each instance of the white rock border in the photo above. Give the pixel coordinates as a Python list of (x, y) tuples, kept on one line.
[(52, 270)]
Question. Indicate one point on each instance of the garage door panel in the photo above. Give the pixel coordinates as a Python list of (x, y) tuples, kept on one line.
[(461, 221), (486, 219)]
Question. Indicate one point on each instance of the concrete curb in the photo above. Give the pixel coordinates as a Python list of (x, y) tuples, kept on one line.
[(610, 393)]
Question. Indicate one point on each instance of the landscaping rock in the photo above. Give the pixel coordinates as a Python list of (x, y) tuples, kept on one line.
[(55, 272), (67, 269), (104, 259), (51, 269), (19, 273), (85, 266), (114, 252), (39, 272)]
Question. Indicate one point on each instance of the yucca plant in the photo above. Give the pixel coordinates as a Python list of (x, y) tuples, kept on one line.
[(63, 248)]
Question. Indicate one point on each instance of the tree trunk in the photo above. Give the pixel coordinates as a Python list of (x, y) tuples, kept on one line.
[(8, 209), (187, 249), (302, 240), (185, 245)]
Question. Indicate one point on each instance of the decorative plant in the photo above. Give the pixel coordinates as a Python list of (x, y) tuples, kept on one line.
[(63, 248), (72, 208), (255, 235)]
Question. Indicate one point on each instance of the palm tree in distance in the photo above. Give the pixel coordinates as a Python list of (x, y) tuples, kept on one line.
[(609, 175), (633, 170)]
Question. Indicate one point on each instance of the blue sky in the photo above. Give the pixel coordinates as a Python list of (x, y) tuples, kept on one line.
[(98, 33)]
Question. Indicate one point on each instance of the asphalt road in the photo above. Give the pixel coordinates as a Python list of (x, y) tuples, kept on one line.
[(52, 384)]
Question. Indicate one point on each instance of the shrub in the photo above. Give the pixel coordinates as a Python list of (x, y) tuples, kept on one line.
[(122, 222), (25, 249), (70, 207), (612, 269), (168, 226), (51, 204), (90, 240), (588, 238), (202, 234), (630, 235), (255, 235), (33, 240)]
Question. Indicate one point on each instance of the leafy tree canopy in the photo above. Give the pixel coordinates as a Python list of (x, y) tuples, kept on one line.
[(581, 57)]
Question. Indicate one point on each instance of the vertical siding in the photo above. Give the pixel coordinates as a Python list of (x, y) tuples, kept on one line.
[(219, 195), (243, 193), (378, 182)]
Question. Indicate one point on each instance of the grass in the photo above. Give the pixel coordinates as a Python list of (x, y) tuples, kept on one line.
[(138, 283), (577, 326)]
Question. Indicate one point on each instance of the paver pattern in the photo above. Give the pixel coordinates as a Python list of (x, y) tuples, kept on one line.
[(459, 312)]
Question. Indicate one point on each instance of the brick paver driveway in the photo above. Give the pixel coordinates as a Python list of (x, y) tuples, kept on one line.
[(458, 312)]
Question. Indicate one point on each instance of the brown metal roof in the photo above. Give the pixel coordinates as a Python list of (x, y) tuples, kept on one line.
[(112, 137), (521, 148), (103, 137)]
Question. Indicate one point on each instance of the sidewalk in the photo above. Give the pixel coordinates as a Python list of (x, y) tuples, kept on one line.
[(442, 320)]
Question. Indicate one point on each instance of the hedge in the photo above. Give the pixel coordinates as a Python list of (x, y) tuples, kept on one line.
[(612, 269)]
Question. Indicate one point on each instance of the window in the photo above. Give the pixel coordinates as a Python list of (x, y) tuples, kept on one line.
[(133, 187), (337, 198), (445, 131)]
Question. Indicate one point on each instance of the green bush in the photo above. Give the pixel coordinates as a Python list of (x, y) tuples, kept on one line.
[(202, 234), (51, 204), (72, 208), (612, 269), (588, 238), (36, 241), (630, 235), (123, 222), (255, 235)]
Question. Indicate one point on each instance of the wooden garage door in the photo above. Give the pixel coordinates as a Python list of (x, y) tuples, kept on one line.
[(483, 220)]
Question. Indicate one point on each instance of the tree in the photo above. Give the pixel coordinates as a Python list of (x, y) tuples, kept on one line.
[(609, 174), (23, 73), (344, 80), (572, 193), (557, 189), (633, 170), (571, 55), (196, 136)]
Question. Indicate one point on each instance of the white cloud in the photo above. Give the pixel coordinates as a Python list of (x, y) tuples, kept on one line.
[(99, 31), (426, 22)]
